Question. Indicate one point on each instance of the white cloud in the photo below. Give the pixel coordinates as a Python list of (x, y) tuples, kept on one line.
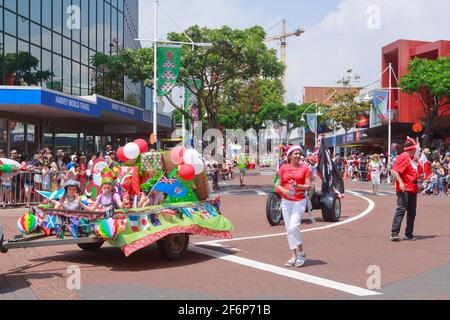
[(342, 40)]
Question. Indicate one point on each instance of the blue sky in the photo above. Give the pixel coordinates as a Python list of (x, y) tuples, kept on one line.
[(340, 34)]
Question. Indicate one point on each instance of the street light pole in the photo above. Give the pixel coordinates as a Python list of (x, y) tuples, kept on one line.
[(390, 121), (155, 77)]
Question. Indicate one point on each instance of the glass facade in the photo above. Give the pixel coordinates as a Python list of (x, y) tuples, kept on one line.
[(62, 36)]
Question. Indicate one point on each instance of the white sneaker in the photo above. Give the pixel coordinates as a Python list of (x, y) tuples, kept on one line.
[(301, 259), (290, 263)]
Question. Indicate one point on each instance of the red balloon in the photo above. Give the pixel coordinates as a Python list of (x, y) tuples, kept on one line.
[(121, 155), (186, 172), (143, 145), (177, 155)]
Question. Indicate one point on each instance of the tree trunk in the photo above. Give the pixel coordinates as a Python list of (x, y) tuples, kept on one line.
[(428, 135)]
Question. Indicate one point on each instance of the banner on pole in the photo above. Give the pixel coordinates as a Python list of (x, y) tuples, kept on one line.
[(380, 103), (311, 118), (189, 98), (169, 62)]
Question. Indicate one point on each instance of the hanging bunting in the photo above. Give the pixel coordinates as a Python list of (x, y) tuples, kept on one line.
[(169, 62), (144, 223)]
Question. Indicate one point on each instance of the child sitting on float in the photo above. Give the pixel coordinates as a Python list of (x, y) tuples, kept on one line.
[(109, 198), (71, 200), (153, 198)]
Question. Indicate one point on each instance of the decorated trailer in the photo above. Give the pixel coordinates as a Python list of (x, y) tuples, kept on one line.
[(185, 208)]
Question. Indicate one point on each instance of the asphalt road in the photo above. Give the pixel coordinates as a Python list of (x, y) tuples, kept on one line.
[(353, 259)]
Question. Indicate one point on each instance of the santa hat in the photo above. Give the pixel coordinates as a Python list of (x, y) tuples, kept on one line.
[(108, 176), (414, 146), (292, 149)]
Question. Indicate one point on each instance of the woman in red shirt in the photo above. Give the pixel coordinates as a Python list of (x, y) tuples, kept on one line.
[(294, 180)]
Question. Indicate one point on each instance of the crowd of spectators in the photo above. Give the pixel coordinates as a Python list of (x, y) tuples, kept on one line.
[(362, 167), (45, 172)]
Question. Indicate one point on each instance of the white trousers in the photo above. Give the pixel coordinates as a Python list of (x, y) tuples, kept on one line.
[(292, 214)]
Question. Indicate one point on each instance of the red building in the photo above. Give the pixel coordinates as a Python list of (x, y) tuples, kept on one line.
[(407, 108)]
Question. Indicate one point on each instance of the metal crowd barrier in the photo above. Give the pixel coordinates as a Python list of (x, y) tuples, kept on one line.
[(20, 190)]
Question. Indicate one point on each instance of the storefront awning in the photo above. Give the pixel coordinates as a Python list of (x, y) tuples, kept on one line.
[(48, 104)]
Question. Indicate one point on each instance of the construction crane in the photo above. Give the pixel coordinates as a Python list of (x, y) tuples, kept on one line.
[(283, 43)]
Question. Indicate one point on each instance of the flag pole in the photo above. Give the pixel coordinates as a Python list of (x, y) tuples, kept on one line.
[(155, 78), (390, 123)]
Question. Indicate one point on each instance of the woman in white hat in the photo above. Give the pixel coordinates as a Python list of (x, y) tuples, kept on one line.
[(294, 181)]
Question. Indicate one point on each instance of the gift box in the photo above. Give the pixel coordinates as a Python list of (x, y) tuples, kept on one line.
[(152, 163), (129, 180)]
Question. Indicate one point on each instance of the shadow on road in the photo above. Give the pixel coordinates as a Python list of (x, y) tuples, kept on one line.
[(114, 259)]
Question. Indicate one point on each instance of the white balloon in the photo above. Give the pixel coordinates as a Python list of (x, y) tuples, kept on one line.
[(191, 157), (131, 151), (199, 167)]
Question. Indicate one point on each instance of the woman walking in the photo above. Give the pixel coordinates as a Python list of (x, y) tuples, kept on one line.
[(294, 181), (375, 167)]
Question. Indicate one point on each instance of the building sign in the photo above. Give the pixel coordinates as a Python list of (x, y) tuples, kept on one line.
[(69, 104), (121, 109), (19, 138), (349, 138)]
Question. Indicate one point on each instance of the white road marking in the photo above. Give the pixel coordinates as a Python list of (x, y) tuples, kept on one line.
[(261, 193), (330, 226), (357, 291)]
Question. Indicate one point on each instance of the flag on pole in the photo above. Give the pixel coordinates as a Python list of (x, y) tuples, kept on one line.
[(311, 118), (189, 98), (380, 103), (332, 181), (171, 187), (56, 195), (425, 166), (169, 62)]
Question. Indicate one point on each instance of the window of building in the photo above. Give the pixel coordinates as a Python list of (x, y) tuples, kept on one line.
[(35, 13), (35, 34), (68, 142), (57, 16), (46, 13), (23, 25), (10, 23), (23, 8)]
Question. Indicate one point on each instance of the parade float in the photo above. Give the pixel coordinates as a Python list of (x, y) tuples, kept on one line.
[(186, 208)]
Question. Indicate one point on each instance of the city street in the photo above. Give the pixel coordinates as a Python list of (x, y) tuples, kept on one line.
[(342, 258)]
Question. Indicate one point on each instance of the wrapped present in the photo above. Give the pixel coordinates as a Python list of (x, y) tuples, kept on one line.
[(129, 180), (151, 163)]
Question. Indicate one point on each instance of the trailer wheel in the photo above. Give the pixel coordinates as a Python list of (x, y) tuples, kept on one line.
[(90, 246), (331, 208), (273, 209), (174, 247), (2, 250)]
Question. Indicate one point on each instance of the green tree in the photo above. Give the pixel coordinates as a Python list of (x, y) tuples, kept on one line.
[(237, 56), (241, 102), (137, 65), (430, 81), (344, 110), (23, 69)]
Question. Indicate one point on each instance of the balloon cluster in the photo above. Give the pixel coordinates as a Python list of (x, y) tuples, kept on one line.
[(132, 150), (189, 161)]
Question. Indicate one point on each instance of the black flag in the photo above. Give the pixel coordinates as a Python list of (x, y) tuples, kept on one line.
[(332, 181)]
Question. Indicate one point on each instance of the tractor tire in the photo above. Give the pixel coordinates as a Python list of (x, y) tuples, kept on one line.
[(273, 209), (331, 208), (174, 247), (90, 246)]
